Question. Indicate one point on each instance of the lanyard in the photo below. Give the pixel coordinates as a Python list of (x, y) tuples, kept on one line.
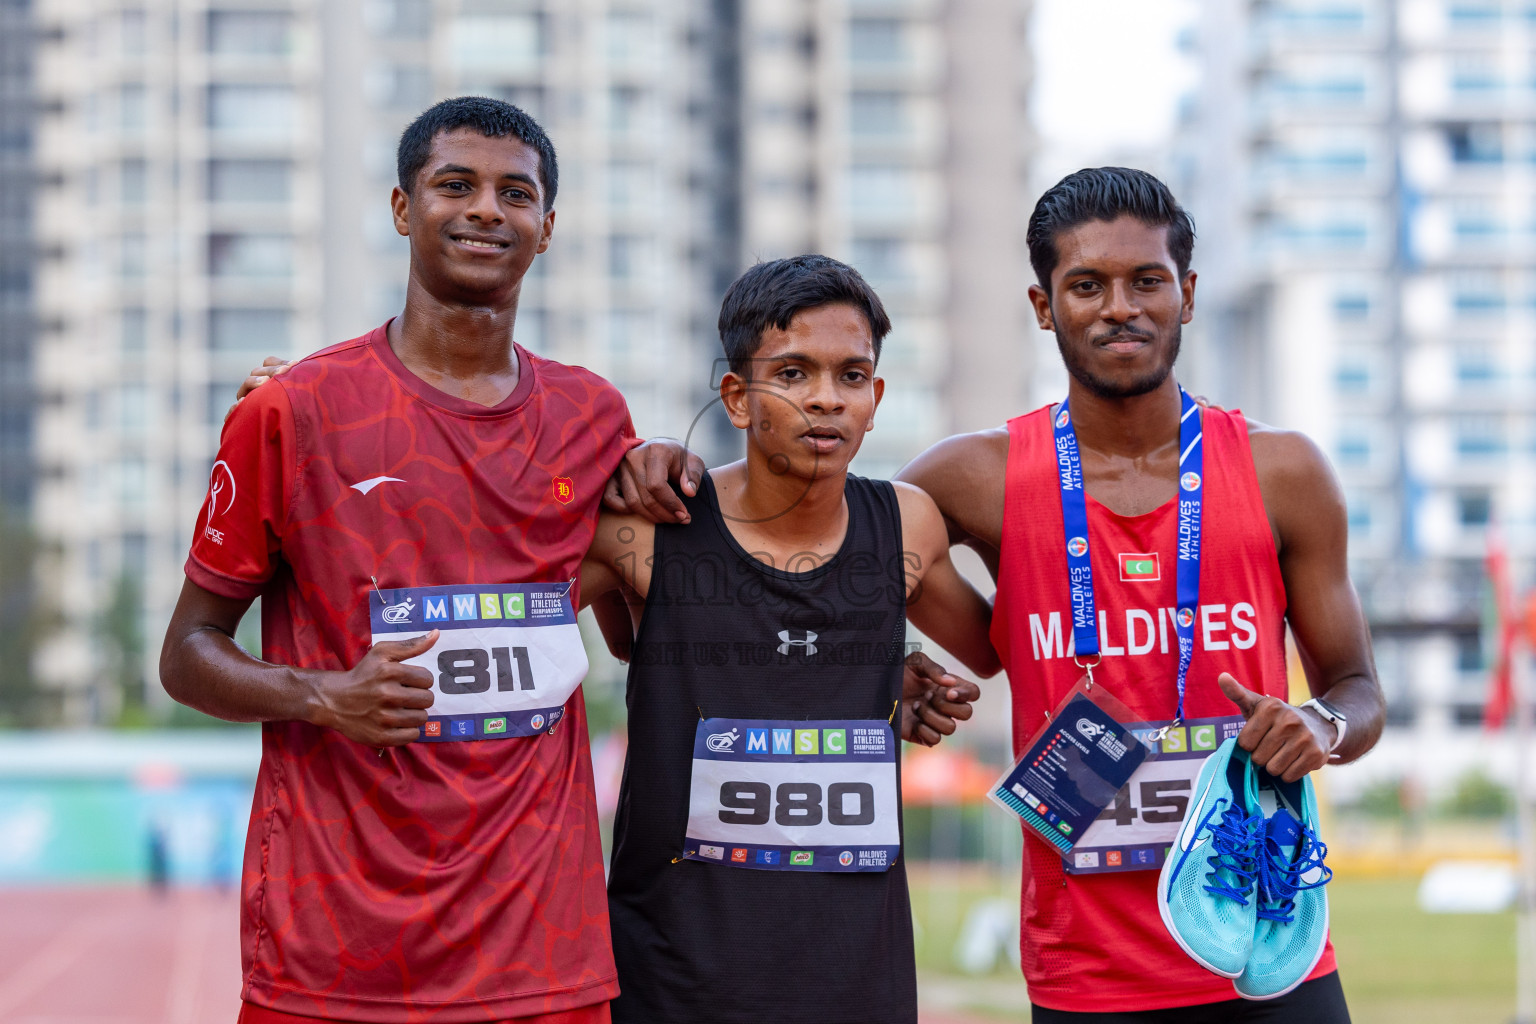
[(1074, 515)]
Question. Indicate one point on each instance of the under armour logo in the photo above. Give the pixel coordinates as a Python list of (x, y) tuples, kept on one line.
[(808, 644)]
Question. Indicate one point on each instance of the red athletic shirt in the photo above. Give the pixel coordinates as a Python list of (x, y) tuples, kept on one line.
[(1095, 943), (438, 882)]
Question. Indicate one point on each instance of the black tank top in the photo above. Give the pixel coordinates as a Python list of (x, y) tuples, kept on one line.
[(705, 942)]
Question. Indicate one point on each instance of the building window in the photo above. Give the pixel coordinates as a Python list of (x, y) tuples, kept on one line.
[(1353, 449), (629, 257), (134, 183), (630, 334), (250, 255), (249, 181), (1474, 508), (133, 331), (496, 43), (626, 110), (1351, 307), (1358, 515), (132, 106), (250, 33), (1475, 143), (631, 38), (1477, 367), (629, 187), (877, 113), (133, 408), (134, 256), (1478, 299), (261, 111), (1480, 436), (877, 41), (527, 98), (880, 190), (134, 28), (264, 331), (881, 259), (399, 19), (1475, 15), (1326, 18), (530, 330)]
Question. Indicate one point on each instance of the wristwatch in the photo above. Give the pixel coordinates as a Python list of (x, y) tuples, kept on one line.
[(1329, 713)]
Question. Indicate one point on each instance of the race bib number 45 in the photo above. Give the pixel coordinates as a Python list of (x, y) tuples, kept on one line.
[(1134, 831), (794, 795), (507, 659)]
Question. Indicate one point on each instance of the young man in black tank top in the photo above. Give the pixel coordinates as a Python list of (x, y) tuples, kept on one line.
[(749, 883)]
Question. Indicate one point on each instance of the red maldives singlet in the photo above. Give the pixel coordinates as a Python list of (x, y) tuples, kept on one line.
[(438, 882), (1095, 943)]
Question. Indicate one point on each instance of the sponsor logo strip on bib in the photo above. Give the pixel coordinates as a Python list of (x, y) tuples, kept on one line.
[(507, 659), (794, 795)]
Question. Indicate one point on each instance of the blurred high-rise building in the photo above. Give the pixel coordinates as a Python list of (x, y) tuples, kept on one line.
[(18, 110), (215, 188), (1362, 173)]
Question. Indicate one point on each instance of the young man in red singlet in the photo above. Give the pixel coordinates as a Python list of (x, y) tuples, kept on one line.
[(1111, 249), (413, 506)]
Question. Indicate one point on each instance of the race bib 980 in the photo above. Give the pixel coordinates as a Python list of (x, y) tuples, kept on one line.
[(794, 795), (508, 657)]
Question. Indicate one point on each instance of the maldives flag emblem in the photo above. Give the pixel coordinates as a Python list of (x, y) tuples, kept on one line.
[(1135, 567), (565, 490)]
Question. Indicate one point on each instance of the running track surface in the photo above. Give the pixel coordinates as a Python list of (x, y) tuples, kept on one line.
[(123, 956)]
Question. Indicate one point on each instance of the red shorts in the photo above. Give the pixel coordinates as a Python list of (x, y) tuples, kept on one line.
[(597, 1013)]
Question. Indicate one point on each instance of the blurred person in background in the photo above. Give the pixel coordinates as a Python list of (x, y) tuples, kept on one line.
[(1111, 249)]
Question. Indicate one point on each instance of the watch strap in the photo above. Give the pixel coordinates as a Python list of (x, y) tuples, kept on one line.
[(1329, 714)]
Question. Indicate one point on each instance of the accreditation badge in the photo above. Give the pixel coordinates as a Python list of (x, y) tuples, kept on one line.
[(1073, 766), (794, 795), (506, 661), (1135, 830)]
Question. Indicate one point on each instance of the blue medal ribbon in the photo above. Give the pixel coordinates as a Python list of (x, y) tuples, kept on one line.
[(1074, 515)]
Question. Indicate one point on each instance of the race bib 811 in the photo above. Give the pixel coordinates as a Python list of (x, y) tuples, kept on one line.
[(508, 657), (794, 795)]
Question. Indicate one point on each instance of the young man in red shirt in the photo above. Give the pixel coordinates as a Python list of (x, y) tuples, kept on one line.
[(423, 843), (1111, 249)]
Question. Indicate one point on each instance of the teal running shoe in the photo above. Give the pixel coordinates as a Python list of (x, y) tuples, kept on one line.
[(1291, 930), (1206, 889)]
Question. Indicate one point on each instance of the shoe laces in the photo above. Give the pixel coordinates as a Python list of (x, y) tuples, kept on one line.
[(1281, 874), (1235, 852)]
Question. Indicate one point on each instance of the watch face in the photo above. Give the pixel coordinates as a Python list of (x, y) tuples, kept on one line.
[(1332, 711)]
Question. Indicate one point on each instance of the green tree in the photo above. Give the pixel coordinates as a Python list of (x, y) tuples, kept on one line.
[(27, 619), (120, 630)]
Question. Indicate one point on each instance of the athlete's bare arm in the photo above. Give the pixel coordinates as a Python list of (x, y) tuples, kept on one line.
[(964, 476), (379, 701), (940, 601), (1306, 511)]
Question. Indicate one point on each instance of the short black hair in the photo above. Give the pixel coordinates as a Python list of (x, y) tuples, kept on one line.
[(770, 294), (492, 118), (1105, 193)]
